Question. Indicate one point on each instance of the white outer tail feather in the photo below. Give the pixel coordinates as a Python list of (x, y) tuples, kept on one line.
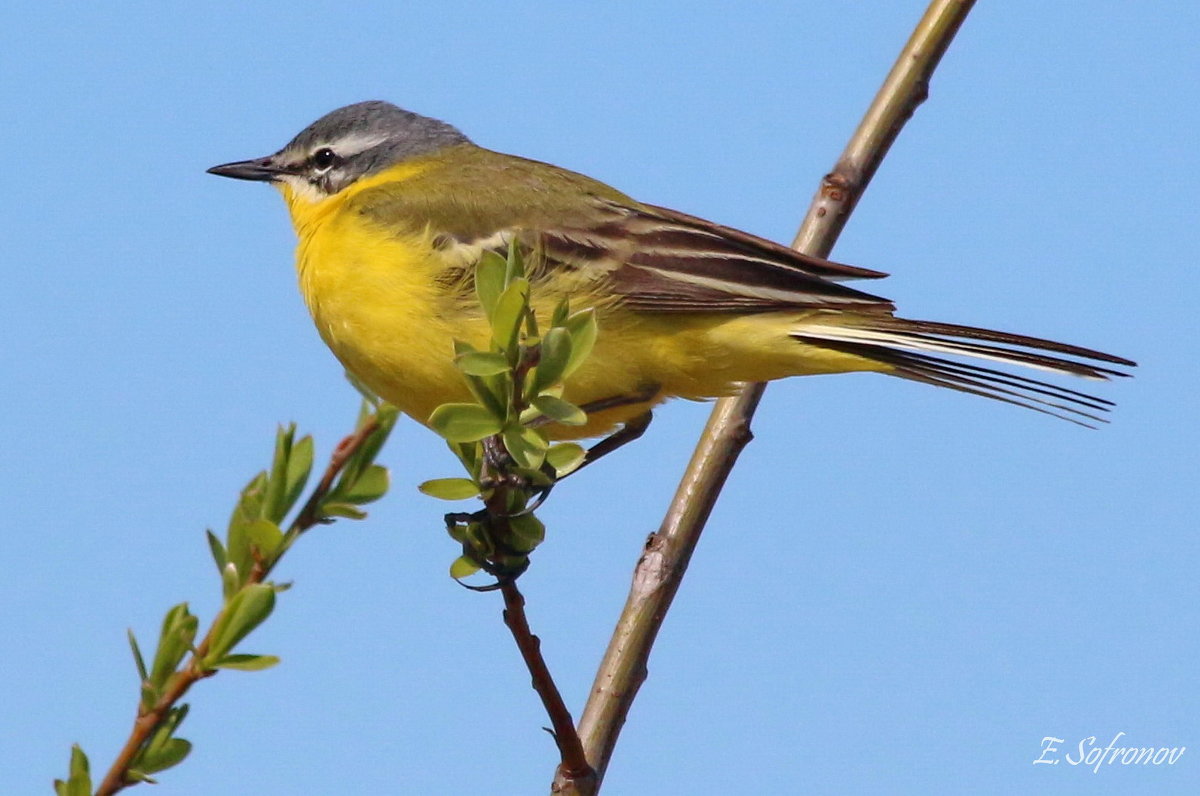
[(903, 345)]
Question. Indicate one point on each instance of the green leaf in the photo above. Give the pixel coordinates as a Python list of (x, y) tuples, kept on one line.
[(148, 695), (553, 359), (510, 312), (565, 457), (469, 453), (489, 280), (463, 422), (238, 550), (79, 778), (450, 488), (218, 551), (514, 261), (466, 452), (482, 363), (583, 328), (250, 502), (265, 537), (457, 531), (136, 775), (371, 485), (231, 580), (491, 391), (528, 530), (162, 750), (138, 660), (463, 567), (253, 541), (532, 335), (246, 663), (533, 477), (277, 480), (249, 509), (334, 508), (174, 642), (79, 762), (170, 752), (298, 469), (557, 409), (526, 446), (475, 537), (385, 416), (562, 311), (244, 612)]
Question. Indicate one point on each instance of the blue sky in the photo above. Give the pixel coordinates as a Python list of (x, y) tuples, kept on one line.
[(902, 590)]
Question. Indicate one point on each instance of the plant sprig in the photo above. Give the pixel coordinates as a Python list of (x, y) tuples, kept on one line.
[(254, 543), (500, 439)]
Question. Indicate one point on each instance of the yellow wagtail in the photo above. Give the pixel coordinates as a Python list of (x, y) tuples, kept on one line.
[(393, 209)]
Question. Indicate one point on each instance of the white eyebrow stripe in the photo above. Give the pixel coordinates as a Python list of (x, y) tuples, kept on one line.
[(354, 142)]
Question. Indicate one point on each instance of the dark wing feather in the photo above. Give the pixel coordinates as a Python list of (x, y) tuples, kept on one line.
[(736, 242), (657, 260)]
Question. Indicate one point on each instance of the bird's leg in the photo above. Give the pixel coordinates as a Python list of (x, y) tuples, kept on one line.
[(497, 460), (628, 432)]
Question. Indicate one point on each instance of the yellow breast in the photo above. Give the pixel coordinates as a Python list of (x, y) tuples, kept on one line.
[(376, 304)]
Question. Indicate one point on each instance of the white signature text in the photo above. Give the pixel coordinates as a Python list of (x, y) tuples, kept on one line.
[(1091, 754)]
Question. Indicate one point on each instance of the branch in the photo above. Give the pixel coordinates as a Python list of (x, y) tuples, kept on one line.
[(574, 763), (310, 515), (572, 760), (661, 567), (149, 719)]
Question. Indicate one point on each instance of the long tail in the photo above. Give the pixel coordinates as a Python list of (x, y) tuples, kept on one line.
[(909, 348)]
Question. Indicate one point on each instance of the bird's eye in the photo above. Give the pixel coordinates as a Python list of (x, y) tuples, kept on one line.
[(325, 158)]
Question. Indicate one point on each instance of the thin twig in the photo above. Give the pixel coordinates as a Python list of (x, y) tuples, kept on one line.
[(572, 761), (146, 722), (309, 515), (668, 551), (149, 719), (574, 764)]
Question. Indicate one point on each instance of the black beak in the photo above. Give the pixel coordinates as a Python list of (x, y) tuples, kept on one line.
[(259, 170)]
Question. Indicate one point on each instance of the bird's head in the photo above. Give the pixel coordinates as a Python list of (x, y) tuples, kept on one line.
[(344, 146)]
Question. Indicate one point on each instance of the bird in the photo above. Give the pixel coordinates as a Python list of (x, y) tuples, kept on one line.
[(392, 210)]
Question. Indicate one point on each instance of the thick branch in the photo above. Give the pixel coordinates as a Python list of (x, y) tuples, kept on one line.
[(668, 551)]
